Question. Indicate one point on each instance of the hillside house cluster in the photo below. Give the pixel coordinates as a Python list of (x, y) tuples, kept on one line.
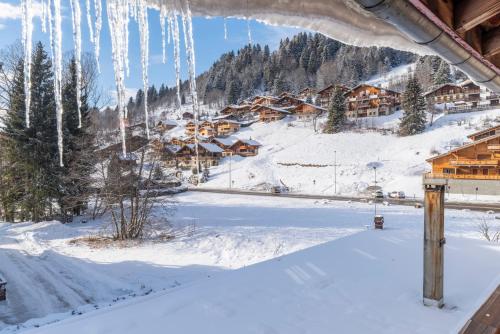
[(180, 154), (461, 97)]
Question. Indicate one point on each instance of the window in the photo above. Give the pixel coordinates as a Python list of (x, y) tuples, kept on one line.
[(448, 170)]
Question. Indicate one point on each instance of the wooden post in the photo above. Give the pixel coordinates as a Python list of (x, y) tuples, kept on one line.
[(434, 242)]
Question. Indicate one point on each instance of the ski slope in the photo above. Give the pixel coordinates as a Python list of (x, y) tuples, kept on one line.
[(365, 281)]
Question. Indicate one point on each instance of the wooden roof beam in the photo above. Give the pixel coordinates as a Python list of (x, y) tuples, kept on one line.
[(471, 13), (491, 43)]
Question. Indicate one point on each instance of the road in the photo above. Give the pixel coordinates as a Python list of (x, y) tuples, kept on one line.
[(393, 201)]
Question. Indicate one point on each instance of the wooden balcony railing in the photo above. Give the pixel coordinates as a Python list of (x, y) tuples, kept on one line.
[(431, 175), (494, 147), (475, 162)]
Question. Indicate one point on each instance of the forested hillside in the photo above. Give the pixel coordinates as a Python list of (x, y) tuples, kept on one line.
[(304, 60)]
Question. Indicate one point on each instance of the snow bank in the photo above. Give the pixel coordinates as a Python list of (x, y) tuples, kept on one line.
[(367, 282)]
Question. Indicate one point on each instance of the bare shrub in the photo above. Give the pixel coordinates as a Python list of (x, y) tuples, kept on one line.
[(486, 232)]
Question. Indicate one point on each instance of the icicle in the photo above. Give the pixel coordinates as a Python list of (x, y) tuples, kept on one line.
[(44, 16), (249, 32), (89, 20), (144, 42), (169, 27), (177, 56), (49, 20), (225, 29), (76, 16), (187, 24), (27, 23), (97, 33), (117, 10), (57, 54), (163, 32)]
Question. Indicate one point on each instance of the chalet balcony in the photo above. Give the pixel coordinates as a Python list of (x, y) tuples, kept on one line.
[(494, 147), (475, 162), (431, 175)]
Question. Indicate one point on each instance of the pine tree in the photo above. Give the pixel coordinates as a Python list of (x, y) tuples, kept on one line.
[(233, 93), (414, 117), (32, 152), (443, 74), (336, 113), (79, 158)]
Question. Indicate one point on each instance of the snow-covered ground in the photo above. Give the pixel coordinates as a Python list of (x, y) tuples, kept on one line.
[(357, 280), (291, 147)]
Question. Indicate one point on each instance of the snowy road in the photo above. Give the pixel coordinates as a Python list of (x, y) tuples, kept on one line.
[(43, 281)]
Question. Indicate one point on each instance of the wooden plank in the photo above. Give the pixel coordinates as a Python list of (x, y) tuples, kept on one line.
[(471, 13), (473, 37), (487, 319), (491, 42), (443, 9)]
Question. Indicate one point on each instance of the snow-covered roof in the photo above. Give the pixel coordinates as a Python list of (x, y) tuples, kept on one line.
[(225, 141), (249, 142), (228, 121), (212, 148), (173, 148), (437, 87), (281, 110), (463, 146)]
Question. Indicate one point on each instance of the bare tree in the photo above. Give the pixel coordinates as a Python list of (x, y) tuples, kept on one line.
[(485, 230), (130, 193)]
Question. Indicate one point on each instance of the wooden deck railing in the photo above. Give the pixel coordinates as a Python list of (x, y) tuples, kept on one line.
[(475, 162), (431, 175)]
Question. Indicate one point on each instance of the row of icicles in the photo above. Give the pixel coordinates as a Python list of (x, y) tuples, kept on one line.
[(119, 13)]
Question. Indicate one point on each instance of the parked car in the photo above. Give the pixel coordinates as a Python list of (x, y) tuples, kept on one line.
[(397, 194), (378, 194)]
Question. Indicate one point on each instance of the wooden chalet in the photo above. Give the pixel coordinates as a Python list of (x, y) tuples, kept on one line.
[(270, 114), (133, 144), (324, 96), (264, 101), (236, 110), (367, 101), (226, 127), (307, 111), (190, 128), (207, 124), (170, 158), (187, 115), (209, 154), (207, 132), (446, 93), (307, 92), (164, 126), (471, 92), (288, 101), (225, 144), (485, 133), (479, 160), (245, 147)]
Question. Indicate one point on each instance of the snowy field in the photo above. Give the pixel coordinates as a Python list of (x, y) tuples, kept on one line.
[(299, 266), (304, 160)]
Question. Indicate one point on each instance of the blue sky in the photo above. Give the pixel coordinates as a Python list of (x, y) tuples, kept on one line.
[(208, 36)]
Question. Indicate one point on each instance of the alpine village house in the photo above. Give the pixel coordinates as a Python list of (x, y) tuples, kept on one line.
[(473, 167)]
